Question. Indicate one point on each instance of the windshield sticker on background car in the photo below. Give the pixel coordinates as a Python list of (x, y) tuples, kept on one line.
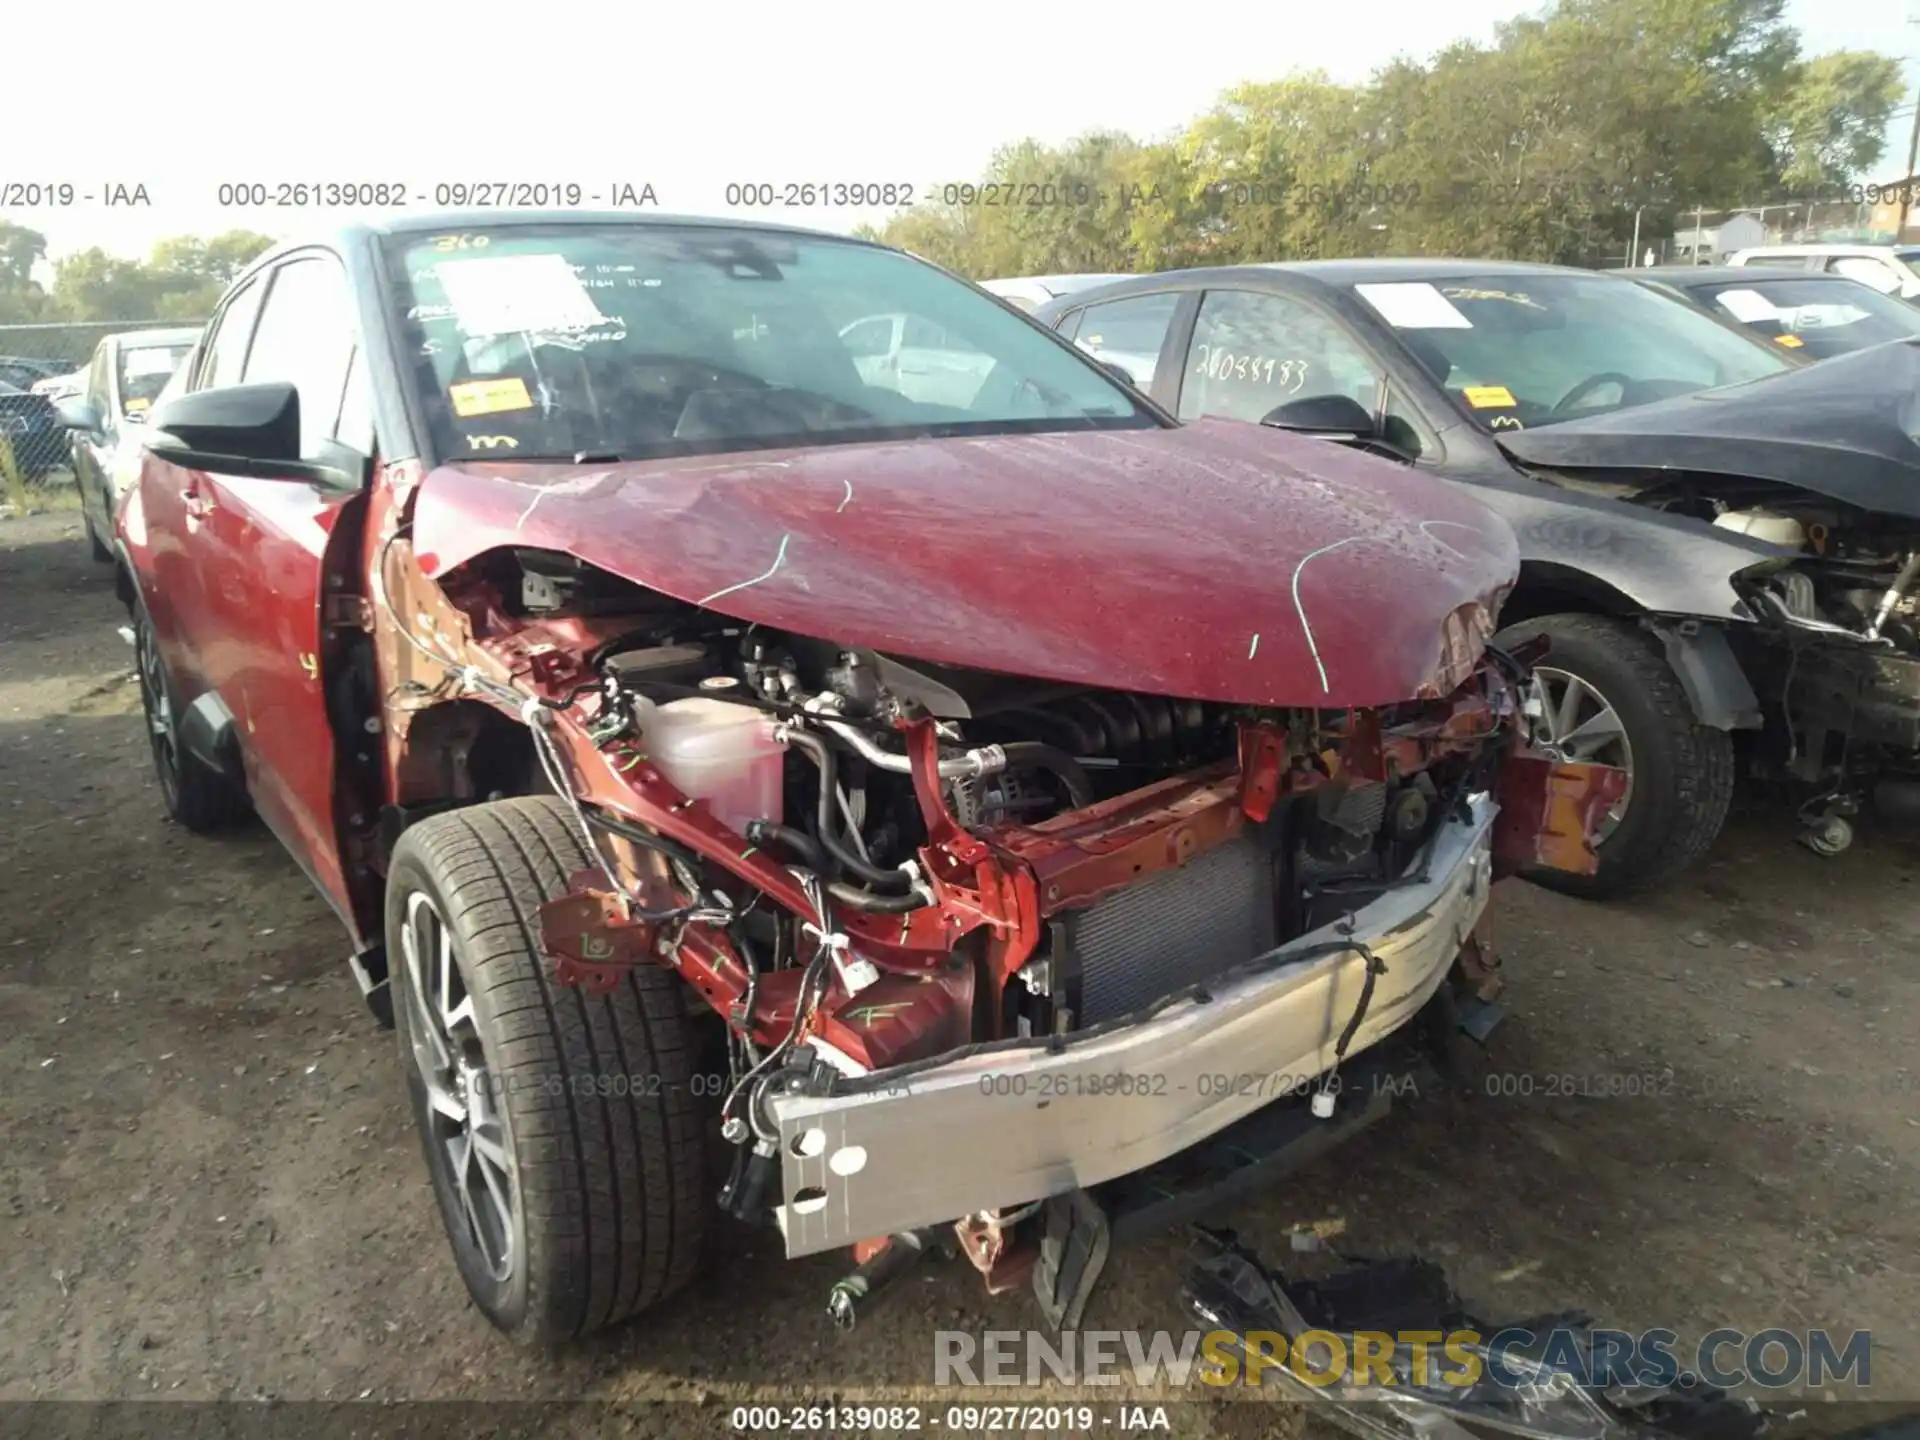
[(1792, 342), (489, 397), (1747, 306), (1512, 297), (150, 362), (1489, 397), (503, 294), (1413, 306), (136, 404)]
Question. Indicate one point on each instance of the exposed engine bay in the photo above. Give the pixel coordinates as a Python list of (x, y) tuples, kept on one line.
[(1839, 636), (865, 862)]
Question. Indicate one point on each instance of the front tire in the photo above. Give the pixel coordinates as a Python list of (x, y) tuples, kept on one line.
[(1681, 772), (559, 1128)]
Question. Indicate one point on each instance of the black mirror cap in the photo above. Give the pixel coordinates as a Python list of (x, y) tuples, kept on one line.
[(246, 422), (1120, 373), (1322, 415)]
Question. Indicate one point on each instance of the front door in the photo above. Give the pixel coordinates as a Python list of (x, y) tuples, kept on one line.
[(170, 520), (265, 552)]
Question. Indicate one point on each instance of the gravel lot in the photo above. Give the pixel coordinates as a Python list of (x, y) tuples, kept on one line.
[(209, 1186)]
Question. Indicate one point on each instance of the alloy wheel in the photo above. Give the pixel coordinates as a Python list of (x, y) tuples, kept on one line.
[(1577, 723), (154, 699), (467, 1138)]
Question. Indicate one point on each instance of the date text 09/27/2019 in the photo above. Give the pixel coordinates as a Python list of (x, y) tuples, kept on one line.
[(974, 1419), (441, 194)]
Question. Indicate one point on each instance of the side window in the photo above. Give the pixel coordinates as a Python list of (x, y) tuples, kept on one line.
[(1069, 325), (1253, 352), (227, 346), (869, 339), (98, 376), (355, 427), (306, 338), (1867, 270), (919, 334), (1129, 332), (1405, 428)]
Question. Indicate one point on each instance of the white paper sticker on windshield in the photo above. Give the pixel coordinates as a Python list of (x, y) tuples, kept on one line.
[(1416, 306), (151, 362), (1747, 306), (505, 293)]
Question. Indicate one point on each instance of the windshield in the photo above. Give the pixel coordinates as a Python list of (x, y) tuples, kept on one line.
[(1909, 258), (1819, 318), (565, 340), (145, 370), (1515, 351)]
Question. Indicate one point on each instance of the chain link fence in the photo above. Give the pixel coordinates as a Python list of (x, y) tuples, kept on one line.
[(39, 366)]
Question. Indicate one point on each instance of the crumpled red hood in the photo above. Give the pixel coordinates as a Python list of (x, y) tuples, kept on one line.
[(1217, 561)]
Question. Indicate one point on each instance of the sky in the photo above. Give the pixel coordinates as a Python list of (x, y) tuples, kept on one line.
[(686, 98)]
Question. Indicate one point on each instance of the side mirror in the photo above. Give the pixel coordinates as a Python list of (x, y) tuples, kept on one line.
[(247, 430), (78, 413), (1119, 372), (1328, 417)]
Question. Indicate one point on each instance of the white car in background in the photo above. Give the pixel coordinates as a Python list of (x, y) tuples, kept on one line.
[(1890, 269), (1030, 292), (62, 387), (917, 358)]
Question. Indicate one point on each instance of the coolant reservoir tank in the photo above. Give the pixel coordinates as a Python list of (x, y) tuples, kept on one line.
[(1768, 525), (721, 753)]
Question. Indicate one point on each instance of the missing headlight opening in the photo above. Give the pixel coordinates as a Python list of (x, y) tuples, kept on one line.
[(896, 883)]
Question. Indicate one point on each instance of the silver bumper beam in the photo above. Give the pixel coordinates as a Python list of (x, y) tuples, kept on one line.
[(988, 1131)]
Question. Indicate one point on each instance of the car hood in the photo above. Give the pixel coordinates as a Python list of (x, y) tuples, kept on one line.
[(1845, 429), (1214, 561)]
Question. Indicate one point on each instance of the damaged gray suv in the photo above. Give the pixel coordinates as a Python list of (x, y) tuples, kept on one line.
[(1751, 601)]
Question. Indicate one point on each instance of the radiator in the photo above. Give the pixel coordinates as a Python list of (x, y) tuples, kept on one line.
[(1180, 927)]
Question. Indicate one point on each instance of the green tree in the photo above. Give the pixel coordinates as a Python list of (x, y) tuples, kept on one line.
[(1831, 123), (1544, 144), (22, 300), (182, 279)]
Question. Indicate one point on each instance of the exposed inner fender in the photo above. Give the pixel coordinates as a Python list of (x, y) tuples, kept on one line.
[(1716, 687)]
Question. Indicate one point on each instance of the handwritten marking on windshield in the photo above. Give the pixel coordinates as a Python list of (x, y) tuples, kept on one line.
[(1254, 646), (778, 560), (849, 500)]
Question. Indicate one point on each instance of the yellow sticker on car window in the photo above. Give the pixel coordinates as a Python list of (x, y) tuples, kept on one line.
[(1792, 342), (1489, 397), (489, 397)]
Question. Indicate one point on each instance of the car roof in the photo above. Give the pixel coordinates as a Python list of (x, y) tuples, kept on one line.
[(1413, 268), (1324, 274), (181, 335), (1744, 274), (361, 233), (1835, 247)]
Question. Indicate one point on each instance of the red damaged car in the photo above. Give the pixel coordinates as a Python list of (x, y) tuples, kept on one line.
[(934, 773)]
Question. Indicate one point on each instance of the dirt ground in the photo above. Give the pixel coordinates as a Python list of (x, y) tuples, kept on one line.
[(209, 1186)]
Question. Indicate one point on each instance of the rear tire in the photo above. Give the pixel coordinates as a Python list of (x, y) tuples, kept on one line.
[(101, 553), (1683, 771), (195, 794), (599, 1201)]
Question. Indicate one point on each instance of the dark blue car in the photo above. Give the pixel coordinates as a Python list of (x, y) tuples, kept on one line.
[(31, 426)]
